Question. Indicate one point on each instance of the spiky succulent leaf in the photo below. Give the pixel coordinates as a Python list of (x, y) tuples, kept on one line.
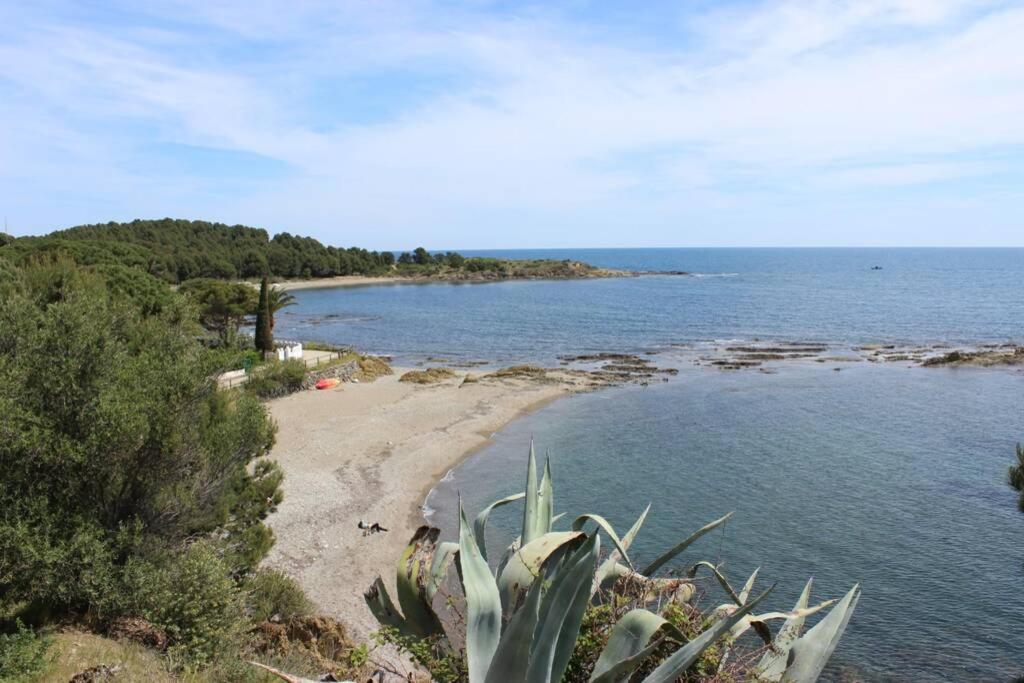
[(748, 586), (546, 499), (534, 526), (605, 526), (759, 621), (683, 658), (483, 605), (722, 581), (613, 557), (773, 663), (480, 523), (444, 555), (631, 635), (527, 563), (624, 668), (561, 613), (512, 658), (809, 655), (670, 554), (412, 578)]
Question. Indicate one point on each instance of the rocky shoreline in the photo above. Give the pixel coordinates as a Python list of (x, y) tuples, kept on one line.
[(760, 354)]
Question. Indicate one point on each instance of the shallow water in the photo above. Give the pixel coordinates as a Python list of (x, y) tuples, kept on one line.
[(889, 475)]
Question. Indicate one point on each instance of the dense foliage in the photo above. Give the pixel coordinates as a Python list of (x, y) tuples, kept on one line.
[(178, 250), (128, 477), (23, 653)]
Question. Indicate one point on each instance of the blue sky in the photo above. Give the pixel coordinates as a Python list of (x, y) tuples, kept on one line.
[(482, 124)]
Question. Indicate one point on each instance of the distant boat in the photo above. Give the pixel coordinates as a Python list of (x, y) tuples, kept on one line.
[(876, 267)]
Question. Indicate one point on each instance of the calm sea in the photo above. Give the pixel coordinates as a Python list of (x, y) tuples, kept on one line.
[(888, 475)]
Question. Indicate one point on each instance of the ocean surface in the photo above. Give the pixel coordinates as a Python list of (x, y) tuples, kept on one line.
[(886, 474)]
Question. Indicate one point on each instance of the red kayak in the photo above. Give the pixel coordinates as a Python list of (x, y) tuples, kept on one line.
[(327, 383)]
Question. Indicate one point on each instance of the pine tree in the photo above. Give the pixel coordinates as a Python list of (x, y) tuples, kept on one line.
[(264, 335)]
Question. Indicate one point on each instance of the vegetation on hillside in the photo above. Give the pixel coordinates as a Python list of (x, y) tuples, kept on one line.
[(177, 250), (133, 488)]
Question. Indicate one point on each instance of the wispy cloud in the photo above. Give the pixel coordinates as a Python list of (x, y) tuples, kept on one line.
[(472, 125)]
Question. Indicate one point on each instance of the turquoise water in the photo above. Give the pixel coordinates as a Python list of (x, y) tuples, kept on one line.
[(889, 475)]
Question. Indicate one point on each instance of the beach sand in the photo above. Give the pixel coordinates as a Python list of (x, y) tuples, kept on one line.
[(372, 452), (345, 281)]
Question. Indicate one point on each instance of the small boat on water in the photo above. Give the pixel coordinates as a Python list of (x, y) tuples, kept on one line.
[(327, 383)]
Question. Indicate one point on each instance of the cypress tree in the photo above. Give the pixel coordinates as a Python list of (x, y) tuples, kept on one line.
[(264, 336)]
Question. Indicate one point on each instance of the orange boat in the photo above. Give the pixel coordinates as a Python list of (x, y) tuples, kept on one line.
[(327, 383)]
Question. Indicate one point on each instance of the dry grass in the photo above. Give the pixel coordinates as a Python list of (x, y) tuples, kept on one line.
[(76, 652)]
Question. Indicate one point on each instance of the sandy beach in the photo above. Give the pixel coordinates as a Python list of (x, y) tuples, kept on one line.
[(372, 452), (345, 281)]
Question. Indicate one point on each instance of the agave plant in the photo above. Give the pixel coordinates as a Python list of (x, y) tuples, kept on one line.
[(521, 621)]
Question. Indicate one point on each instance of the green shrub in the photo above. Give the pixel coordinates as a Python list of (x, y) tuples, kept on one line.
[(270, 593), (23, 654), (193, 597), (277, 379), (115, 444)]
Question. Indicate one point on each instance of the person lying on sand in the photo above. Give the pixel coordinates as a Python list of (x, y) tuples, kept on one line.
[(374, 528)]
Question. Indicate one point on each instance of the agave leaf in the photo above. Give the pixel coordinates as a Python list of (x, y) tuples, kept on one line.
[(411, 582), (483, 604), (623, 669), (683, 658), (579, 522), (480, 523), (683, 545), (630, 637), (608, 565), (722, 581), (444, 555), (810, 654), (546, 500), (748, 586), (512, 658), (383, 610), (759, 621), (561, 613), (534, 525), (526, 563), (773, 663)]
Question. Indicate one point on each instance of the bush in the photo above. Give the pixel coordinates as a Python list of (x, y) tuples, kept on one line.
[(277, 379), (23, 654), (274, 594), (195, 600), (116, 445)]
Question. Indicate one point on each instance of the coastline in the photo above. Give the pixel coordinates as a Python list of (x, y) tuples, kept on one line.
[(372, 452), (341, 281)]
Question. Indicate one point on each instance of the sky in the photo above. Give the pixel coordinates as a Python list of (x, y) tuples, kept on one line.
[(485, 125)]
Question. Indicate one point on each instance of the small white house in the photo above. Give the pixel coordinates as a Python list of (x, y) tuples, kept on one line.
[(289, 351)]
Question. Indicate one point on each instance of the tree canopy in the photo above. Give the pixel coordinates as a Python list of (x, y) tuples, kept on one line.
[(177, 250), (115, 443)]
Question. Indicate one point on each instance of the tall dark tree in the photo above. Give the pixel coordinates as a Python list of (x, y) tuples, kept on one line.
[(264, 334)]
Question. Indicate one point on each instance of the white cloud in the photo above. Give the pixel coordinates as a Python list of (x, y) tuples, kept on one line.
[(538, 133)]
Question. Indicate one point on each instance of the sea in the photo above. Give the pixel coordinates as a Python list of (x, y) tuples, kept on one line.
[(886, 474)]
